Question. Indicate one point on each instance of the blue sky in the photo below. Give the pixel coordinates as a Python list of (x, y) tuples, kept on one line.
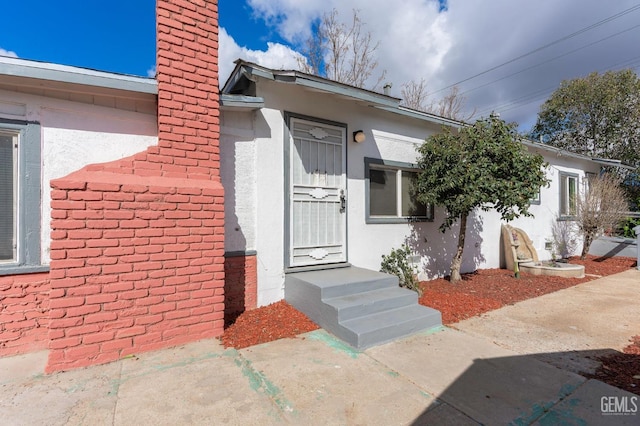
[(116, 35), (421, 39)]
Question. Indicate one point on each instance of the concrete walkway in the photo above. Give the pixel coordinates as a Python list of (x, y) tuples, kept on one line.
[(496, 369)]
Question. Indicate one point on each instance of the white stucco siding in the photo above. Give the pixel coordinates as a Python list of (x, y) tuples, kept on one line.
[(74, 135), (390, 137), (395, 140), (270, 232), (368, 242), (238, 174), (540, 226)]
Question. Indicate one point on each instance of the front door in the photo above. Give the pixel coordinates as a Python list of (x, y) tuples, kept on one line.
[(317, 193)]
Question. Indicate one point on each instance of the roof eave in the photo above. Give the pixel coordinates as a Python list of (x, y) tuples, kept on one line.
[(250, 71), (39, 71), (562, 152), (240, 102), (424, 116), (340, 89), (613, 163)]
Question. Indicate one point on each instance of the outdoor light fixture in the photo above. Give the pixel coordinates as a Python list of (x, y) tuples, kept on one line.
[(358, 136)]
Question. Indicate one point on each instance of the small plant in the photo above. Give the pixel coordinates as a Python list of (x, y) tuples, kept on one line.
[(564, 238), (627, 227), (397, 263)]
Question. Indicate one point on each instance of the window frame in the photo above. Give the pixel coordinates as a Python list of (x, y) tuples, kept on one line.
[(537, 200), (398, 167), (28, 202), (564, 192)]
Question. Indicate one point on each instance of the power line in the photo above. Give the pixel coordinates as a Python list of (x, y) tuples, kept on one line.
[(567, 37), (552, 59), (524, 100), (541, 94)]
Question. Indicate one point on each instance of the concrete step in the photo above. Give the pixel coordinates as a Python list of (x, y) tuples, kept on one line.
[(386, 326), (344, 281), (371, 302), (362, 307)]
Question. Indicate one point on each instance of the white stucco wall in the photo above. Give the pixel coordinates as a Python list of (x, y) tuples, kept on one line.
[(75, 134), (238, 175), (390, 137)]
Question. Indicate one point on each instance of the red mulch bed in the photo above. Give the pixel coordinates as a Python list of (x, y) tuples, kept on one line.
[(489, 289), (265, 324), (477, 293), (622, 369)]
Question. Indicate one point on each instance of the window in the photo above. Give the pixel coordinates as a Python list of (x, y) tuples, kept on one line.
[(568, 195), (8, 187), (389, 190), (588, 178), (19, 197), (536, 199)]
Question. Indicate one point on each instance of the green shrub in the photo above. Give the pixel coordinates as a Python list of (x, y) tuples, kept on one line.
[(627, 226), (397, 263)]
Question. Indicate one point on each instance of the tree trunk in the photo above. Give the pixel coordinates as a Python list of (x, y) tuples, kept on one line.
[(457, 259), (588, 239)]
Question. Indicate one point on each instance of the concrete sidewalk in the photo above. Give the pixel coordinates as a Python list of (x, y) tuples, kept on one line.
[(446, 376)]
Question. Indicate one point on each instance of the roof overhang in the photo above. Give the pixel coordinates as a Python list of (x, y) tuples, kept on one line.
[(408, 112), (26, 73), (559, 152), (250, 71), (240, 102), (247, 72)]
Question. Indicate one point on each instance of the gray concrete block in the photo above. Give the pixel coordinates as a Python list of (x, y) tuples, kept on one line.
[(362, 307)]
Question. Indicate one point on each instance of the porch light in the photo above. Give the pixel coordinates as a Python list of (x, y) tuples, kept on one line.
[(358, 136)]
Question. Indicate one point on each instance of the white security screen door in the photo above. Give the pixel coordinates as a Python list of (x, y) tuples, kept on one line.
[(317, 193)]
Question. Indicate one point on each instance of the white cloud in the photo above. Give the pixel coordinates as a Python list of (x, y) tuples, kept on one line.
[(8, 53), (418, 41), (151, 72), (277, 56)]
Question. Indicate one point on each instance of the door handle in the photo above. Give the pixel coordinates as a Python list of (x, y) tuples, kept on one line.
[(343, 201)]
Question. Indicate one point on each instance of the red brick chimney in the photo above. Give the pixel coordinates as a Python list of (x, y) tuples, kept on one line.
[(187, 73), (137, 251)]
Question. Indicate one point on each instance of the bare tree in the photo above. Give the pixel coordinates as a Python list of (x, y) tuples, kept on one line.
[(452, 106), (340, 52), (565, 240), (602, 206), (415, 95), (312, 60)]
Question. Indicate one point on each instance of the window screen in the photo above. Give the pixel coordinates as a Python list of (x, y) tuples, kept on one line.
[(383, 192), (391, 195), (7, 196), (410, 206)]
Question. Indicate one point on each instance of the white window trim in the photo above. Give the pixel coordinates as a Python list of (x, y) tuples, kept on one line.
[(564, 201)]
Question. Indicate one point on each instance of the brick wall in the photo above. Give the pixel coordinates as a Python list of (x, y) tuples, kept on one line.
[(138, 244), (188, 95), (134, 266), (241, 285), (24, 313)]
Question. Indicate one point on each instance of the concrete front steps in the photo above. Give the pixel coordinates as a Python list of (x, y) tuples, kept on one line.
[(362, 307)]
